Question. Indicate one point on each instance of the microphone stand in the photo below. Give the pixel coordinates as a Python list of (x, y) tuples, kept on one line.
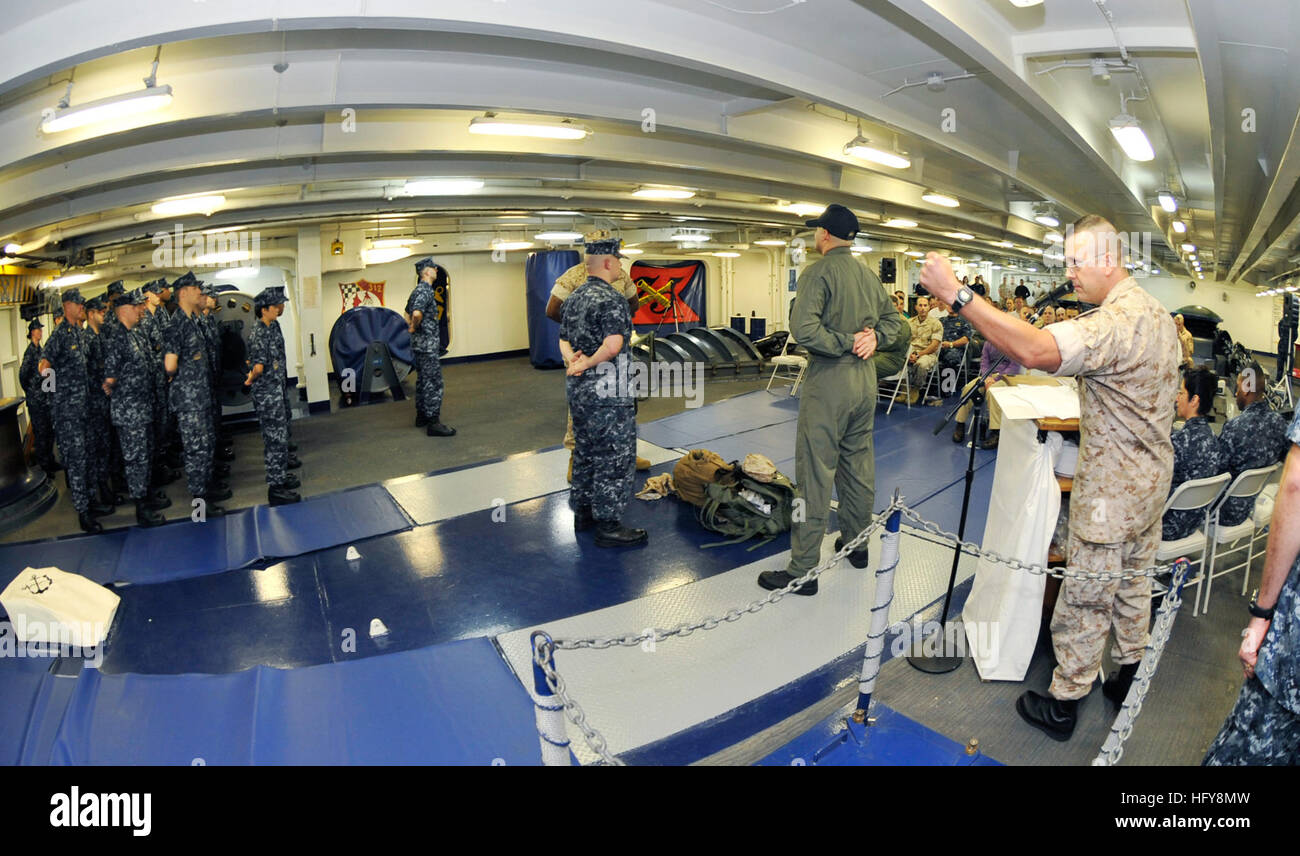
[(940, 664)]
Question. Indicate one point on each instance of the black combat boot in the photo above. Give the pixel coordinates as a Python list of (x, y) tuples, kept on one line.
[(218, 491), (958, 432), (1052, 716), (437, 429), (859, 558), (89, 523), (211, 509), (291, 482), (611, 533), (98, 509), (421, 420), (774, 580), (990, 439), (293, 447), (225, 453), (146, 516), (158, 500), (294, 463), (582, 519), (221, 469), (1116, 686), (281, 496)]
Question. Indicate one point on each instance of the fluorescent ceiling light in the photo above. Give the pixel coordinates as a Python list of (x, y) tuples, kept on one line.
[(204, 205), (727, 254), (631, 252), (558, 237), (1004, 244), (385, 255), (663, 193), (1032, 270), (442, 187), (560, 213), (803, 209), (1048, 220), (689, 236), (861, 147), (106, 109), (861, 248), (1024, 4), (997, 267), (1200, 276), (224, 258), (1167, 201), (10, 249), (900, 223), (1053, 238), (939, 199), (1192, 257), (770, 242), (961, 236), (1155, 271), (1189, 248), (511, 245), (1180, 227), (387, 243), (1128, 133), (916, 254), (236, 273), (551, 130), (72, 279)]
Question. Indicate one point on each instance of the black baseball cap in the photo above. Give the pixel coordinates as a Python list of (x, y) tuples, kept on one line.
[(838, 220)]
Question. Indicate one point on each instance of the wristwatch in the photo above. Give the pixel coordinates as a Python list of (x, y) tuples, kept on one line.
[(964, 296), (1259, 611)]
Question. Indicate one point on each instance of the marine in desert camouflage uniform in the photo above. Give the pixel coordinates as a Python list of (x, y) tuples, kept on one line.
[(1126, 355)]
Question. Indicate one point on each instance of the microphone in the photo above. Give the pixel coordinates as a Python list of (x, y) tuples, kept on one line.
[(1061, 290)]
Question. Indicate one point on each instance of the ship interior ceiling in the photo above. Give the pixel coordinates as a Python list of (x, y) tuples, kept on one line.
[(307, 154)]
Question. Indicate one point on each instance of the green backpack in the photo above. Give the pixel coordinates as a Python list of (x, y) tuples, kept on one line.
[(741, 507)]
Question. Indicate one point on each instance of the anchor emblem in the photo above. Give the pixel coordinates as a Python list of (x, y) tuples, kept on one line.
[(40, 584)]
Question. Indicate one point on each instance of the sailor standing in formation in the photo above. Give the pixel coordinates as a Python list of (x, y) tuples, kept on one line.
[(128, 383), (422, 322), (38, 402), (266, 379)]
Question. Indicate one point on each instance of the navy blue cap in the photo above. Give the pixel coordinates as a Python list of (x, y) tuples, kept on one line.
[(838, 220), (96, 303), (72, 295), (423, 263), (154, 286), (604, 247), (115, 288), (186, 279), (35, 324)]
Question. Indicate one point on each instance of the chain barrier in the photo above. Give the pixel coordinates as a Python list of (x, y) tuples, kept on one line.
[(1120, 731), (543, 653)]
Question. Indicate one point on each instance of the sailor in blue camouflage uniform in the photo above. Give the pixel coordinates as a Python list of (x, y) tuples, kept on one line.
[(212, 331), (116, 467), (957, 332), (422, 322), (99, 451), (128, 383), (1264, 725), (266, 380), (190, 396), (66, 354), (38, 401), (595, 338), (153, 325), (1255, 438), (1196, 449), (281, 299)]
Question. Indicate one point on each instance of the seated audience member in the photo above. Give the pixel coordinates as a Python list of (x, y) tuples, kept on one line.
[(1196, 449), (1003, 367), (1024, 312), (957, 332), (1255, 438), (927, 333), (900, 303), (1048, 316), (1019, 303)]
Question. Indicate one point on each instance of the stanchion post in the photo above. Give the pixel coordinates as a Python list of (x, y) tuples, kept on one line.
[(875, 647), (548, 710)]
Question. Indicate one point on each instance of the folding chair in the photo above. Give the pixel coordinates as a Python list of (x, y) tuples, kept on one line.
[(1263, 517), (888, 388), (794, 364), (1247, 485), (1192, 495)]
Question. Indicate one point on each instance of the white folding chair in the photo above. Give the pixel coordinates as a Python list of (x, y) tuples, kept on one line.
[(795, 366), (1247, 485), (1192, 495), (1263, 517), (889, 388)]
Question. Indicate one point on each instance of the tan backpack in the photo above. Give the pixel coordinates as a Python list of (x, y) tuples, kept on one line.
[(696, 470)]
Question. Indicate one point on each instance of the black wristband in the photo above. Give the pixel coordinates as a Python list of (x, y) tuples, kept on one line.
[(1259, 611)]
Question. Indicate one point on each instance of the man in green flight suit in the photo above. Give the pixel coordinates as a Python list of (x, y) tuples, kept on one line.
[(842, 316)]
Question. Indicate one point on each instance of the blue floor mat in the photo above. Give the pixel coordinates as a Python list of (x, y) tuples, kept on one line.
[(449, 704), (894, 741), (183, 549), (23, 685)]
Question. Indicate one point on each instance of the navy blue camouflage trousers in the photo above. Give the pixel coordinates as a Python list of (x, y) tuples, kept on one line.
[(604, 458), (1258, 732), (199, 444), (273, 416), (70, 431), (428, 385), (135, 442)]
